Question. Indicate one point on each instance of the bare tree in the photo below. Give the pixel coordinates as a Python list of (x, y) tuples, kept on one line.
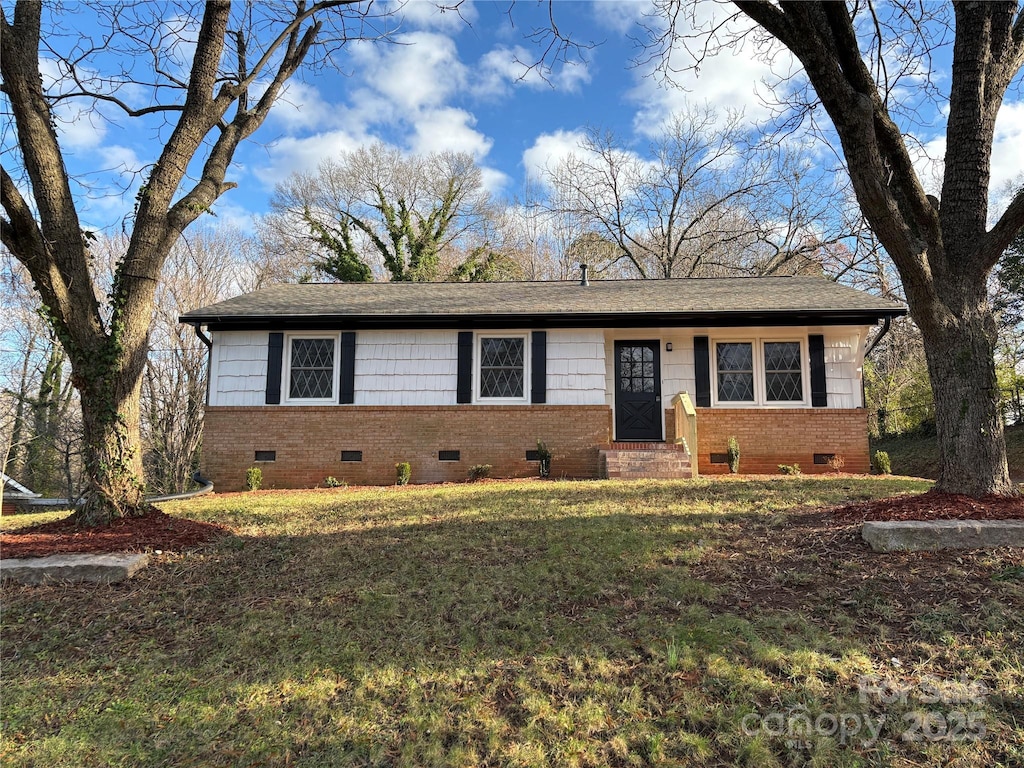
[(854, 57), (43, 444), (664, 213), (206, 107), (202, 269), (701, 201), (376, 207)]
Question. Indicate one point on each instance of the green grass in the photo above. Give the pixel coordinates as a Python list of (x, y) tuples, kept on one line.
[(918, 455), (512, 624)]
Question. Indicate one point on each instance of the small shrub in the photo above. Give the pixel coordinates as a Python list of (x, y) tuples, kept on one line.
[(545, 458), (789, 469), (734, 455), (403, 471), (332, 482), (880, 461), (479, 472), (253, 478), (836, 463)]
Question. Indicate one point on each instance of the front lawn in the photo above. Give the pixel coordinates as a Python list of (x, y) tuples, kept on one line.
[(526, 624)]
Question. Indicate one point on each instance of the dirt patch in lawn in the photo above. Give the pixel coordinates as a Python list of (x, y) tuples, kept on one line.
[(153, 531)]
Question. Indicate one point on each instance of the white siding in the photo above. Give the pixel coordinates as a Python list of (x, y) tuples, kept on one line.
[(238, 368), (420, 367), (406, 367), (677, 366), (844, 357), (575, 367)]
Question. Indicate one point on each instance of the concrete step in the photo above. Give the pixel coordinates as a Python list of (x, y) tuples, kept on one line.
[(913, 535), (105, 569)]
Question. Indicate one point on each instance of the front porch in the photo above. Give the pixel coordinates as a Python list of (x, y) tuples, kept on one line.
[(767, 437), (669, 460)]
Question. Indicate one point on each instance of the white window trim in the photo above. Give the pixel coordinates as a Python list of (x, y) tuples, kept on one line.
[(478, 360), (804, 373), (760, 384), (286, 378)]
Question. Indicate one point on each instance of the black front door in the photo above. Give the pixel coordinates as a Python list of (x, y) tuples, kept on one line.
[(638, 413)]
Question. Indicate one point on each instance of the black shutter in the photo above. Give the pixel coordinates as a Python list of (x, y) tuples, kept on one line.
[(539, 369), (819, 394), (702, 371), (275, 351), (464, 388), (347, 386)]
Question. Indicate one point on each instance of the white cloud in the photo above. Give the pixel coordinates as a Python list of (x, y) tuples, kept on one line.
[(1007, 165), (618, 16), (120, 159), (548, 150), (1007, 157), (80, 124), (301, 107), (289, 154), (929, 159), (450, 129), (493, 180), (425, 14), (421, 69), (234, 215), (731, 80), (504, 67)]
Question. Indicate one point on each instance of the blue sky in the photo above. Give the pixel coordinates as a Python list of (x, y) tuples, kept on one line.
[(450, 81)]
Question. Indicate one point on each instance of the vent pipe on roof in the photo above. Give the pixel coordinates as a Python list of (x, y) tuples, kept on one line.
[(583, 275)]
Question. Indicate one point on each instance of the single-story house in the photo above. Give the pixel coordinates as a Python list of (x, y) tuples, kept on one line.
[(15, 495), (619, 378)]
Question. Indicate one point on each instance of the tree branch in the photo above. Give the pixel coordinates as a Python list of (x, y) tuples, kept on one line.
[(1010, 224)]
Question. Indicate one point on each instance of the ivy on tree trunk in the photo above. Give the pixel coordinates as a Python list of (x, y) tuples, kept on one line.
[(108, 345)]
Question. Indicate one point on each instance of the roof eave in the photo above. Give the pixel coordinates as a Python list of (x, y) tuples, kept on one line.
[(721, 319)]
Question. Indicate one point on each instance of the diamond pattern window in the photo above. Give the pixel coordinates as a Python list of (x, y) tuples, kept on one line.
[(782, 376), (312, 369), (735, 372), (502, 372)]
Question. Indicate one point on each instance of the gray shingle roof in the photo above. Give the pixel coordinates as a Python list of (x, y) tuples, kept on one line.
[(685, 299)]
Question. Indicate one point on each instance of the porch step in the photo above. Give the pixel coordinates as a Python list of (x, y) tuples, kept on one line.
[(635, 461)]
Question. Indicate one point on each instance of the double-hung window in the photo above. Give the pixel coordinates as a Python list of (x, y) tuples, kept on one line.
[(312, 368), (502, 367), (764, 372)]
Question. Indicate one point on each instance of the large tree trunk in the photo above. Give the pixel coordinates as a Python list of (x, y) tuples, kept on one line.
[(110, 391), (969, 426), (942, 247)]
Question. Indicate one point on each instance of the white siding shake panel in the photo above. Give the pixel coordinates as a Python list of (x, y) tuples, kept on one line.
[(406, 367), (238, 368), (843, 358), (575, 367)]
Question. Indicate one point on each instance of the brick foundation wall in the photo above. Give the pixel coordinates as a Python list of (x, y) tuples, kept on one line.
[(768, 438), (309, 441)]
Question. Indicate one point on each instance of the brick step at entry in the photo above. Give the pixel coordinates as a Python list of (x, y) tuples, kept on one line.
[(653, 461)]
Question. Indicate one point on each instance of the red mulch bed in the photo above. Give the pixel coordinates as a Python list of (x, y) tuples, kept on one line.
[(933, 506), (155, 530)]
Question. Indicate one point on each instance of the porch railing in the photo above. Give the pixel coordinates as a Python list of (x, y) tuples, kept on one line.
[(686, 427)]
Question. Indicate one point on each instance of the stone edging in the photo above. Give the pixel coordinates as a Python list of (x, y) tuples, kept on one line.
[(916, 535)]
